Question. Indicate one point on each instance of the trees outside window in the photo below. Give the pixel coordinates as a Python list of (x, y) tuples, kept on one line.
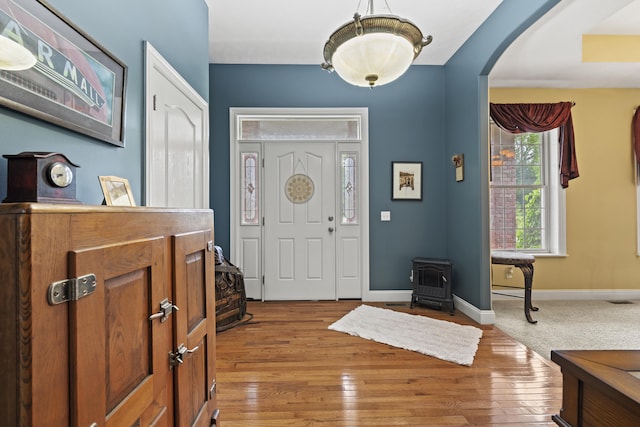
[(525, 211)]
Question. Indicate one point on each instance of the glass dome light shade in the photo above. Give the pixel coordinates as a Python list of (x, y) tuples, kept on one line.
[(373, 59), (13, 56), (373, 50)]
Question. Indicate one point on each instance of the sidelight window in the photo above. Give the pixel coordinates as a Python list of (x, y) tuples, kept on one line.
[(349, 188)]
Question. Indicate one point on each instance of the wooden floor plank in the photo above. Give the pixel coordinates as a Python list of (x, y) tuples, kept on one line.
[(285, 368)]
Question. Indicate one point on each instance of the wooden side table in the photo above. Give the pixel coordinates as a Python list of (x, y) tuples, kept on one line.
[(525, 263)]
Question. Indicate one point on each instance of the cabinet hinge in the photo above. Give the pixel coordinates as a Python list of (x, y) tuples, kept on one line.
[(71, 289)]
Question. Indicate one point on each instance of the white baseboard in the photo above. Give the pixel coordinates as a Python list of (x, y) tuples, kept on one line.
[(569, 294), (483, 317), (387, 296), (488, 317)]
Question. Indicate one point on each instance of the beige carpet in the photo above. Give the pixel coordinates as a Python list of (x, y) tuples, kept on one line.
[(571, 325)]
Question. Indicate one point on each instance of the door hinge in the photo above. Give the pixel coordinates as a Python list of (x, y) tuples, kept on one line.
[(210, 246), (71, 289), (263, 279), (155, 106)]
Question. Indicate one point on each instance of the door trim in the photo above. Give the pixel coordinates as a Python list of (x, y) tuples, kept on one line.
[(156, 64), (236, 250)]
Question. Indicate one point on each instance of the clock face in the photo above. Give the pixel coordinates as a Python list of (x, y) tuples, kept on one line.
[(60, 174)]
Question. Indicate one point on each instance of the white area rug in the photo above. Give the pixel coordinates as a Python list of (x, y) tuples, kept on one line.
[(437, 338)]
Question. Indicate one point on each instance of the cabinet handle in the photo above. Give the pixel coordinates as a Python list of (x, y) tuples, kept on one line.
[(193, 350), (214, 418), (166, 308), (175, 359)]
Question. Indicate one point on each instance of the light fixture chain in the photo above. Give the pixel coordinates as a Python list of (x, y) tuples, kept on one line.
[(388, 7), (370, 7)]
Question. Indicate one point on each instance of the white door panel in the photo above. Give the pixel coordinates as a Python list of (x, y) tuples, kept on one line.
[(299, 236), (177, 139)]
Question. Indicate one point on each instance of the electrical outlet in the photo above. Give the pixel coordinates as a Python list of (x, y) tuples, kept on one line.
[(508, 273), (385, 216)]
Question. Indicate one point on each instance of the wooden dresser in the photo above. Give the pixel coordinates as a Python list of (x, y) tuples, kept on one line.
[(107, 316)]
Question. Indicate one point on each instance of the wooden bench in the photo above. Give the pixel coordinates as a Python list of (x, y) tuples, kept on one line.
[(525, 263)]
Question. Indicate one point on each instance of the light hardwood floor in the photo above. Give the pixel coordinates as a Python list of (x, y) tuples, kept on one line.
[(285, 368)]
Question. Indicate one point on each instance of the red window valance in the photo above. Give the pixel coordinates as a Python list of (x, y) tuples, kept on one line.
[(520, 118)]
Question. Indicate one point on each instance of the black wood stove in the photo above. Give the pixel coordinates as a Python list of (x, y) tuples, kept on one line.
[(431, 280)]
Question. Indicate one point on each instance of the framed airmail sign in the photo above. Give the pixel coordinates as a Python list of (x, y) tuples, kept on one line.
[(75, 83)]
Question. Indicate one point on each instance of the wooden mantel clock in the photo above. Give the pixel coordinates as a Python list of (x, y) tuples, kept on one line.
[(40, 177)]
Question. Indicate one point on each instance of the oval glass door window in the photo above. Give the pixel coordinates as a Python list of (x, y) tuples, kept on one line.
[(299, 188)]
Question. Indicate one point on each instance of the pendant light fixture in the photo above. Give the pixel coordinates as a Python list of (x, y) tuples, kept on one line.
[(13, 56), (373, 50)]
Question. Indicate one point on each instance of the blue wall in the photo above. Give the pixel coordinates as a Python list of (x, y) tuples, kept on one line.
[(405, 123), (178, 30), (467, 122)]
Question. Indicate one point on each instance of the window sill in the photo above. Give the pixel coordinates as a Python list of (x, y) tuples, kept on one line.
[(548, 255)]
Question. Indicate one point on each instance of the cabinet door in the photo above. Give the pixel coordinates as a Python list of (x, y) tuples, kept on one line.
[(195, 328), (118, 356)]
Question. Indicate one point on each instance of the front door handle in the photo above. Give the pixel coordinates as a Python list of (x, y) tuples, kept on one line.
[(330, 229)]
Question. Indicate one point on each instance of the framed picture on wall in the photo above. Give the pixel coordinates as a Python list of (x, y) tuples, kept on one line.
[(75, 83), (406, 180)]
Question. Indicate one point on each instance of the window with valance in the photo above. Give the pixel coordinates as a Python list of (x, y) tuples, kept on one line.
[(520, 118)]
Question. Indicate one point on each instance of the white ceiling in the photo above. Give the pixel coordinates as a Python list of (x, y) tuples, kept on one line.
[(548, 54)]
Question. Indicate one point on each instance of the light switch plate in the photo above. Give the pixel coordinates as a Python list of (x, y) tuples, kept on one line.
[(385, 216)]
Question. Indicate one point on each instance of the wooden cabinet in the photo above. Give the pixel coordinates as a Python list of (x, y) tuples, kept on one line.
[(134, 345), (599, 388)]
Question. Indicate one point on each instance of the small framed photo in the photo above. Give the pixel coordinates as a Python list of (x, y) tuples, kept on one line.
[(117, 191), (406, 180)]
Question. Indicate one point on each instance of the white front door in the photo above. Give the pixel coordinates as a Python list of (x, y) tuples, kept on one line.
[(177, 139), (299, 221)]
